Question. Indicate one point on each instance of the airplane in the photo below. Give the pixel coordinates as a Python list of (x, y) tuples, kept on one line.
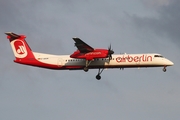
[(84, 58)]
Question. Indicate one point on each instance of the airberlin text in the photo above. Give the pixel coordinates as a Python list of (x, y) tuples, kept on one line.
[(129, 58), (93, 53)]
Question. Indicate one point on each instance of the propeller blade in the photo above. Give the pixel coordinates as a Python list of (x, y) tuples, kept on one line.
[(110, 52)]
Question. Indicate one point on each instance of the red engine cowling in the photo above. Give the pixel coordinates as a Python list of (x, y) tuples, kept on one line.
[(97, 53)]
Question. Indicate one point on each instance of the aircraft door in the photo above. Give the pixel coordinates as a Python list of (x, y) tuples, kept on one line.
[(60, 62), (138, 61)]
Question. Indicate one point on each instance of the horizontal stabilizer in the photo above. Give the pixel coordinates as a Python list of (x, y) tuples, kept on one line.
[(11, 34)]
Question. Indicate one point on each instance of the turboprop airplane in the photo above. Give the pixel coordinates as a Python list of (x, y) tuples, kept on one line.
[(84, 58)]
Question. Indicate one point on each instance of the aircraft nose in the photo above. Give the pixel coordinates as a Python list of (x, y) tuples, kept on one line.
[(170, 63)]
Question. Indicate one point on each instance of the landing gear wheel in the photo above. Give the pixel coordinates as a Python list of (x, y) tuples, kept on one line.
[(86, 69), (164, 69), (98, 77)]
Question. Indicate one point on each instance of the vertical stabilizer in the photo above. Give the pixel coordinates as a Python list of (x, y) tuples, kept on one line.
[(21, 49)]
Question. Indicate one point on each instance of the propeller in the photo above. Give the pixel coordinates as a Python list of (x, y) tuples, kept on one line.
[(110, 52)]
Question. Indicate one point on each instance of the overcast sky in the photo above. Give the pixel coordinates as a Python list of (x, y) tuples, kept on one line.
[(141, 26)]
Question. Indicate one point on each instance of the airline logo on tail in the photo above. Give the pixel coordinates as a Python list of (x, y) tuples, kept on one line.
[(19, 48)]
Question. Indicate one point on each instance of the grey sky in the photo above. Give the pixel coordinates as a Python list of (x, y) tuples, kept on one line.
[(130, 26)]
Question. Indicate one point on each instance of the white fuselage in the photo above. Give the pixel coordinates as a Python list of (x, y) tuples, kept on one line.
[(85, 58), (117, 61)]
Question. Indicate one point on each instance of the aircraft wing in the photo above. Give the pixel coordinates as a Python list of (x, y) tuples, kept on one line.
[(82, 46)]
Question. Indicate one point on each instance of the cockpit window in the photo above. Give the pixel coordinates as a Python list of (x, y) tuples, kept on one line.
[(158, 56)]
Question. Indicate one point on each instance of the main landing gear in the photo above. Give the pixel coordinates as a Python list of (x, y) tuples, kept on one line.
[(98, 77), (88, 62)]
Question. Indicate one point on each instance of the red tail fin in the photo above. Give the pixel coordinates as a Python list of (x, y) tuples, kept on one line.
[(21, 49)]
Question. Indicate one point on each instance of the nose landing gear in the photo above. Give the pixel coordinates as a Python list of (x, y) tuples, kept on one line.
[(164, 69)]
